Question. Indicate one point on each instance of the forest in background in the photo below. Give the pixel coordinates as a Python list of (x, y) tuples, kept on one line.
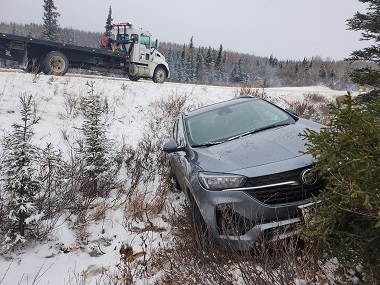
[(207, 65)]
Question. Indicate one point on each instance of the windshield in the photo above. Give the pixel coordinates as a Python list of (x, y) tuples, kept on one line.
[(221, 124)]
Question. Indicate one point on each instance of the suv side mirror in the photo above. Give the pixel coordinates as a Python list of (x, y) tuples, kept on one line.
[(171, 146)]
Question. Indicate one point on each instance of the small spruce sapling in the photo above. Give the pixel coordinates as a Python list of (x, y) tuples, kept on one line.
[(99, 156), (20, 174)]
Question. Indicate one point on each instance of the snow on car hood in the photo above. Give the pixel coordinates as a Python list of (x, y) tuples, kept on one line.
[(261, 148)]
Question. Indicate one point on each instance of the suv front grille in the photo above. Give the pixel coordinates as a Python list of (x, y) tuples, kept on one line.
[(268, 188)]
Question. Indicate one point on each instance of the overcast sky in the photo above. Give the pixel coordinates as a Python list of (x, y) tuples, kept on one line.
[(288, 29)]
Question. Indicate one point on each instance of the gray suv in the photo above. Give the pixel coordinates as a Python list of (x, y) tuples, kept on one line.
[(241, 165)]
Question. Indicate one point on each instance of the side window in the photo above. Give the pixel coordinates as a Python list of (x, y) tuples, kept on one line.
[(175, 130), (145, 40), (180, 136), (135, 37)]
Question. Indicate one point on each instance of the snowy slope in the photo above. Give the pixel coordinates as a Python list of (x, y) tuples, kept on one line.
[(61, 260)]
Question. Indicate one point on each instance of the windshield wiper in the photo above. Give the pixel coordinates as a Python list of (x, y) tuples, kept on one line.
[(257, 130), (206, 144), (270, 127)]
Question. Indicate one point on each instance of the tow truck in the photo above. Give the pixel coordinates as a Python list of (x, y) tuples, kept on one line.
[(128, 50)]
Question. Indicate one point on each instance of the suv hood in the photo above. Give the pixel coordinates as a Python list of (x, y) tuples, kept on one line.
[(261, 148)]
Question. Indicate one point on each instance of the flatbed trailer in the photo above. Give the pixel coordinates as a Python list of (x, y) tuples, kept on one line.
[(50, 57)]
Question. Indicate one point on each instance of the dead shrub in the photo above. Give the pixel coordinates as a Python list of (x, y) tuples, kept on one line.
[(303, 108), (183, 262), (315, 98), (148, 167), (314, 107), (285, 261), (249, 89), (72, 104), (98, 213)]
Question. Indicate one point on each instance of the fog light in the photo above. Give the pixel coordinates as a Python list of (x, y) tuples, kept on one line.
[(230, 222)]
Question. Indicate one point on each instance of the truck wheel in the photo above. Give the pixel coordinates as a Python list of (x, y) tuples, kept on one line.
[(159, 75), (133, 78), (56, 63)]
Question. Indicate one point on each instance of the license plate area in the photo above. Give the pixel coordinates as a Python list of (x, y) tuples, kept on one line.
[(307, 212)]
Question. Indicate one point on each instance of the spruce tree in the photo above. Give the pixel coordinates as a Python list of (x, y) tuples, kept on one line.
[(238, 75), (191, 68), (54, 175), (50, 18), (183, 76), (19, 173), (171, 62), (99, 156), (369, 24), (219, 65), (200, 65), (322, 71), (209, 65), (347, 223), (108, 25)]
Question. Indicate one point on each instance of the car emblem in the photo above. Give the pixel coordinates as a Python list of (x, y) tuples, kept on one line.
[(309, 177)]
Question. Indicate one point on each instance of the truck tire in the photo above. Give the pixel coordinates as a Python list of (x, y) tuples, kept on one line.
[(55, 63), (133, 77), (159, 75)]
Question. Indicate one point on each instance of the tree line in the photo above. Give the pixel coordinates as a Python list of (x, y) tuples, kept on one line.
[(207, 65)]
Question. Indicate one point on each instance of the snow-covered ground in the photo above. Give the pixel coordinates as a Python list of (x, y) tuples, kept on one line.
[(60, 260)]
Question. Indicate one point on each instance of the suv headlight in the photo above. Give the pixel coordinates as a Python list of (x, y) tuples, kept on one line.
[(220, 181)]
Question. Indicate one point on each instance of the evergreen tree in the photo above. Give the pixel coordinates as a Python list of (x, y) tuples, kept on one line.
[(20, 174), (108, 25), (332, 76), (70, 36), (235, 75), (183, 76), (369, 24), (31, 30), (209, 66), (200, 69), (238, 75), (322, 71), (219, 65), (99, 156), (53, 174), (307, 75), (14, 30), (296, 69), (50, 18), (191, 68), (177, 66), (347, 223), (170, 61)]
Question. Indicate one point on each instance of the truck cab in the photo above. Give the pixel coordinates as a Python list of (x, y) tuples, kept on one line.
[(145, 60)]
